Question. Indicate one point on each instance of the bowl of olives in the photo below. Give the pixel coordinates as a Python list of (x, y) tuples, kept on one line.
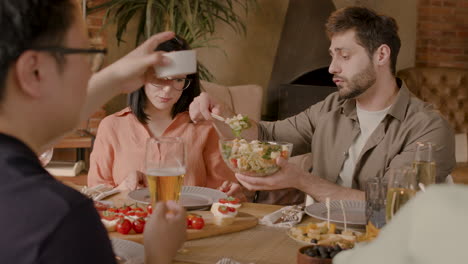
[(317, 254)]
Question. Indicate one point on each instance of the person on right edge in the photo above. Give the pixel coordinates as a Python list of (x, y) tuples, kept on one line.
[(370, 125), (429, 229)]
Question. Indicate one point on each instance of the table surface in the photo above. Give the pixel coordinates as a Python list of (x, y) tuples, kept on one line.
[(261, 244)]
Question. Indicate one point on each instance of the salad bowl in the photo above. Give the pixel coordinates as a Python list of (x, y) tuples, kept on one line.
[(255, 158)]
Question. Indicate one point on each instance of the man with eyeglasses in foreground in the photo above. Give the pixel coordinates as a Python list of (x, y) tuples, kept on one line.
[(46, 88)]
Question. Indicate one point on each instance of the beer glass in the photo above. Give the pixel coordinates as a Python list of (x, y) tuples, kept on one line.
[(165, 168), (402, 186), (424, 163)]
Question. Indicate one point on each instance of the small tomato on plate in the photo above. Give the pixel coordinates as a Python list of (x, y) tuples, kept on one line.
[(124, 226)]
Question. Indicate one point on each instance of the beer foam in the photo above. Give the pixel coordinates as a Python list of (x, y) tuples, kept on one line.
[(176, 171)]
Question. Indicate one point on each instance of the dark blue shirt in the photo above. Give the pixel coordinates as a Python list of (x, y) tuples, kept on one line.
[(42, 220)]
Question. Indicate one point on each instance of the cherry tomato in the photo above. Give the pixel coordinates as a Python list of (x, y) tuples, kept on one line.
[(131, 213), (198, 223), (109, 216), (149, 208), (223, 209), (190, 218), (234, 163), (223, 201), (124, 209), (189, 223), (139, 225), (113, 210), (284, 154), (231, 209), (138, 209), (124, 226), (141, 214), (233, 200)]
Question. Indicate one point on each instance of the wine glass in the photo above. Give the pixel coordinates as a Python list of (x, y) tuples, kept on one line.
[(402, 186), (46, 156), (165, 168), (424, 163)]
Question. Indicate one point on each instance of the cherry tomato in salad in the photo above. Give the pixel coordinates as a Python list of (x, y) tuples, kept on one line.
[(198, 223), (149, 208), (231, 209), (234, 163), (124, 226), (223, 201), (139, 225)]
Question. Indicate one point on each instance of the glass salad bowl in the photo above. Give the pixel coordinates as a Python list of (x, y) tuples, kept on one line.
[(253, 158)]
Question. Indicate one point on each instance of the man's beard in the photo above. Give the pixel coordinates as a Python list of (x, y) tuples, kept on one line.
[(358, 84)]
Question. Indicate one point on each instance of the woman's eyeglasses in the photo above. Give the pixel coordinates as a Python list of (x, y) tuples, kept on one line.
[(95, 56), (179, 84)]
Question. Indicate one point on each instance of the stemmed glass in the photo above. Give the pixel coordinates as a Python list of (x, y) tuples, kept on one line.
[(46, 156), (402, 186), (424, 163), (165, 168)]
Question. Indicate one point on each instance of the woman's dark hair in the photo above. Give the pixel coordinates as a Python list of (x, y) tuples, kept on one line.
[(138, 100)]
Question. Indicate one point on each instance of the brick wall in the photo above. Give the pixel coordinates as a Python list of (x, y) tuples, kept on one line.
[(95, 21), (442, 33), (98, 40)]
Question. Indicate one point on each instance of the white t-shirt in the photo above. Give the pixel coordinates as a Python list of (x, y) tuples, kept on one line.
[(429, 229), (368, 121)]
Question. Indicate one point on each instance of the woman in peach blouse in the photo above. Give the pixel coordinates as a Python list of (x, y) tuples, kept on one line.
[(160, 108)]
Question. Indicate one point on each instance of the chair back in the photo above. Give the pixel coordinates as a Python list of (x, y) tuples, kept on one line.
[(445, 88)]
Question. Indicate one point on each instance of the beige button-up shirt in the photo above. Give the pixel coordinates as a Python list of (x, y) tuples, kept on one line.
[(327, 129)]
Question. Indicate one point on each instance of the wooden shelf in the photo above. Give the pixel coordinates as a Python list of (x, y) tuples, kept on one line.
[(77, 139)]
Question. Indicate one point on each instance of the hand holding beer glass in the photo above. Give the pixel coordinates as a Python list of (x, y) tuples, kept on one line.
[(165, 168)]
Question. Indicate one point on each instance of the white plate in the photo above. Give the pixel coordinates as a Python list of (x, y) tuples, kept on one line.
[(128, 251), (191, 197), (355, 212)]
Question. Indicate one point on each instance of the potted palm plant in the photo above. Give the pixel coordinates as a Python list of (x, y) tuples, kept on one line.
[(194, 20)]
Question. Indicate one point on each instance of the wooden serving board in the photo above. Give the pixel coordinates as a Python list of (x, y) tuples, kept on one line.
[(243, 221)]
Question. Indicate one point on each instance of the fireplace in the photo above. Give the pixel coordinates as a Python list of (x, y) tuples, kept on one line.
[(300, 75), (306, 90)]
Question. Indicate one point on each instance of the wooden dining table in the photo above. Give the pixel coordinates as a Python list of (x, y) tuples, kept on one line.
[(260, 244)]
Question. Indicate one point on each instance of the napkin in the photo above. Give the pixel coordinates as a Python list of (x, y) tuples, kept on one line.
[(291, 216), (99, 192)]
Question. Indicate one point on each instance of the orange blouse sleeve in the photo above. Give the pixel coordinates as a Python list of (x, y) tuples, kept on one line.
[(216, 170), (102, 156)]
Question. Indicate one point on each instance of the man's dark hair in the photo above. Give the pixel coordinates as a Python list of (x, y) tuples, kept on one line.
[(28, 23), (372, 29), (137, 100)]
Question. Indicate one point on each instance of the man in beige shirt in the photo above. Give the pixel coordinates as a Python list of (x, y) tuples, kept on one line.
[(370, 125)]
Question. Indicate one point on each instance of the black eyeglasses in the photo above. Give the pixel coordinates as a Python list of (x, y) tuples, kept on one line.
[(96, 56), (180, 83)]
